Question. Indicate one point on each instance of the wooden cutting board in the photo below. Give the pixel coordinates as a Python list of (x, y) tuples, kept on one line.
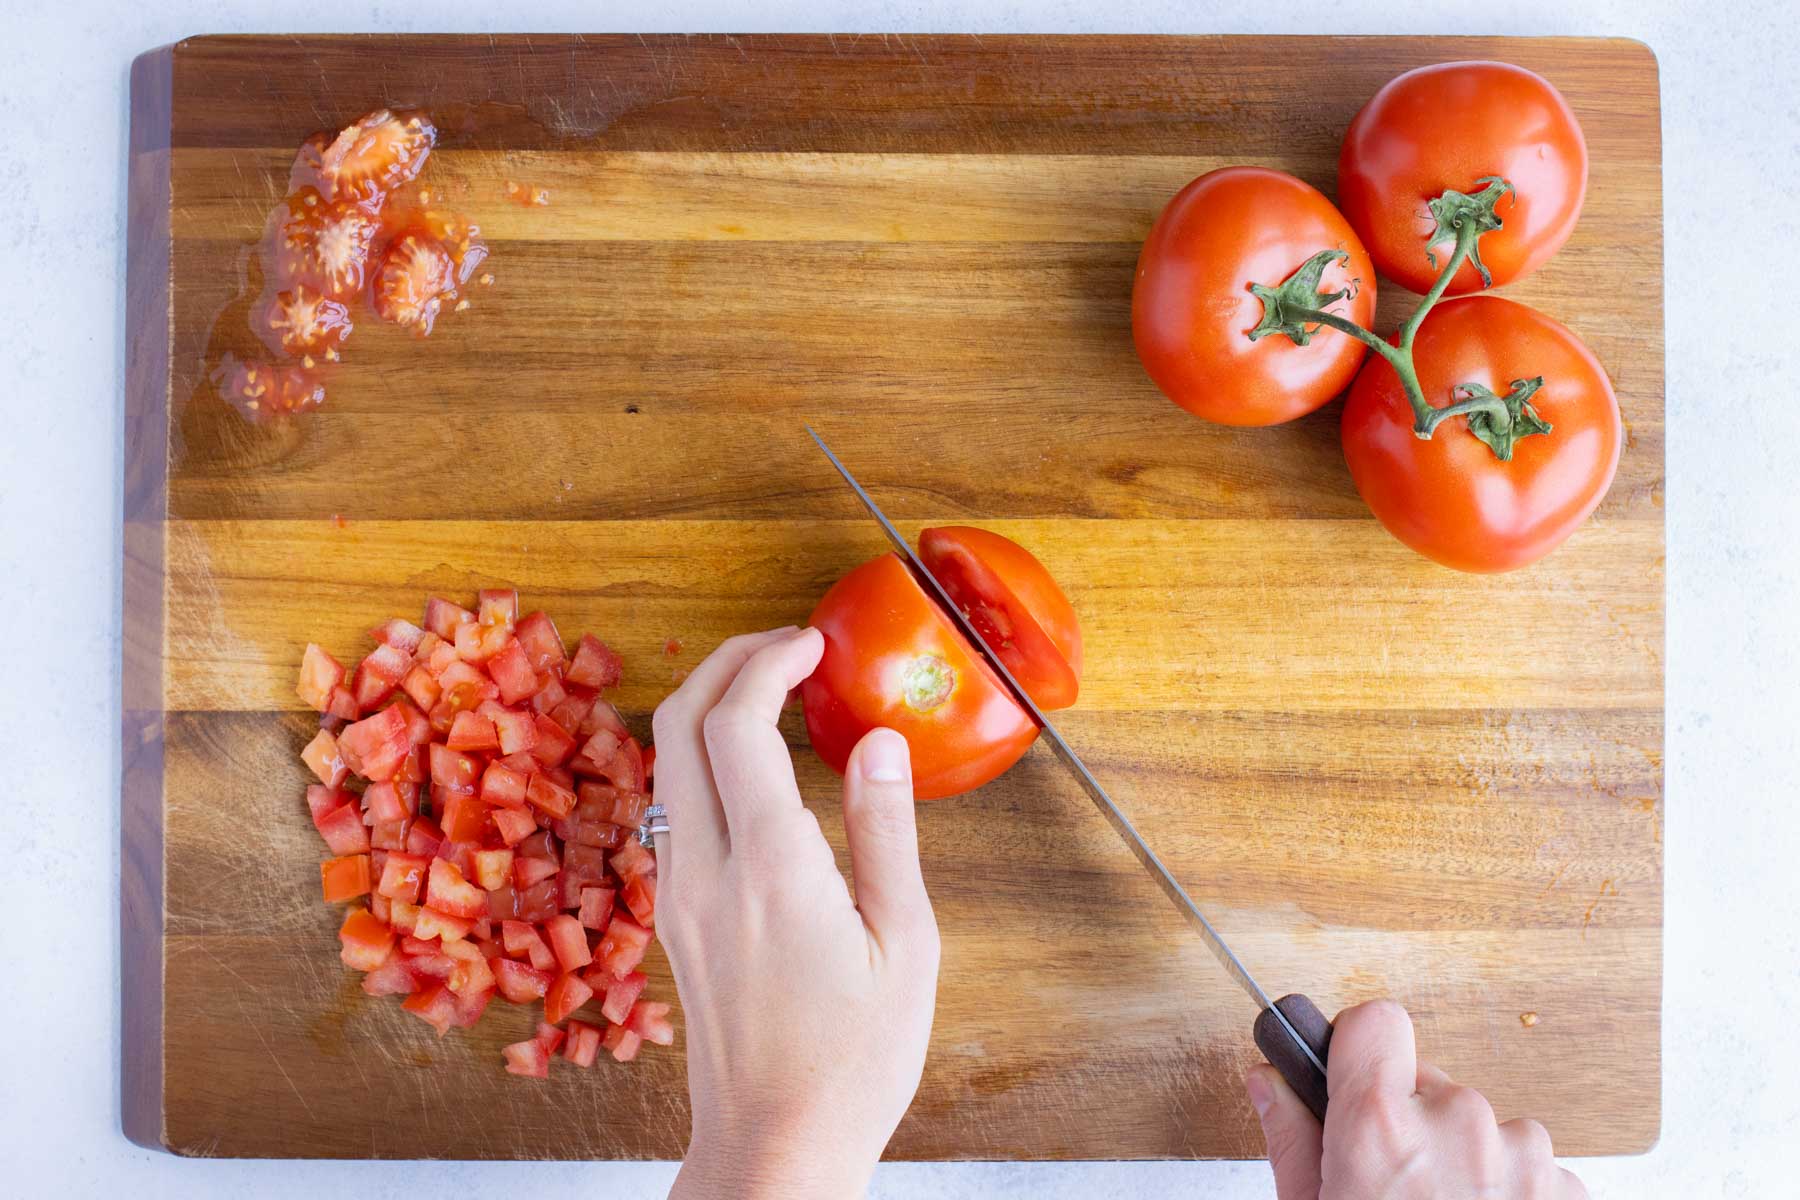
[(1378, 776)]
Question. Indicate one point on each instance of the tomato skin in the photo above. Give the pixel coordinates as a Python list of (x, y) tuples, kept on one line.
[(1191, 305), (1446, 126), (1014, 604), (877, 621), (1449, 498)]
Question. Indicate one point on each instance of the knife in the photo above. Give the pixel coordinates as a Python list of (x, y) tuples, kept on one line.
[(1291, 1032)]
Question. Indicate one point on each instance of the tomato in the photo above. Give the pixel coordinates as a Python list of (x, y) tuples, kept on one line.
[(1192, 310), (583, 1045), (621, 1042), (526, 823), (1448, 127), (649, 1019), (376, 155), (1450, 498), (1014, 604), (621, 994), (893, 658)]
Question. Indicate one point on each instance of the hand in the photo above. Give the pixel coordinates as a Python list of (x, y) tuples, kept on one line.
[(807, 1013), (1398, 1129)]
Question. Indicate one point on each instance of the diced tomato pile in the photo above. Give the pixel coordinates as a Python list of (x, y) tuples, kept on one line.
[(353, 231), (479, 800)]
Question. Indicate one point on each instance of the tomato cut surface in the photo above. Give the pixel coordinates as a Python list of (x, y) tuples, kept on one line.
[(474, 825)]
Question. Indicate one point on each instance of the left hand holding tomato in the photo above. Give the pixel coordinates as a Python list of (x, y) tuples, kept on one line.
[(808, 1012)]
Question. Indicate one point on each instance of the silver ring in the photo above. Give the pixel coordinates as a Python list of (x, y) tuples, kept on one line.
[(654, 823)]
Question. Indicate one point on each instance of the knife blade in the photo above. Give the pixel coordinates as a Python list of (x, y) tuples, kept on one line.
[(1299, 1056)]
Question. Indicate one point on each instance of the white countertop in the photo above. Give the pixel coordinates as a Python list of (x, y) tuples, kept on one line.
[(1731, 107)]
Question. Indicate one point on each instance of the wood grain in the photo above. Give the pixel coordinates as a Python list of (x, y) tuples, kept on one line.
[(924, 246)]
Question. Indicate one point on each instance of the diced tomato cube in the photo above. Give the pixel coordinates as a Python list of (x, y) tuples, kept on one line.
[(389, 835), (343, 705), (529, 1059), (465, 818), (471, 647), (472, 731), (344, 831), (442, 617), (537, 902), (366, 942), (550, 692), (542, 644), (378, 675), (472, 973), (632, 860), (580, 831), (402, 877), (572, 712), (493, 868), (320, 675), (422, 687), (520, 982), (568, 941), (383, 804), (583, 1045), (649, 764), (640, 897), (552, 798), (584, 863), (441, 659), (374, 746), (594, 665), (418, 727), (465, 687), (566, 994), (596, 908), (402, 635), (453, 771), (649, 1019), (511, 670), (548, 1036), (321, 799), (448, 892), (404, 917), (391, 978), (436, 1006), (503, 786), (624, 769), (623, 946), (604, 716), (412, 768), (623, 1043), (517, 732), (424, 837), (599, 748), (621, 994), (529, 871), (469, 1007), (344, 878), (379, 905), (497, 606), (443, 926), (514, 825), (553, 745), (516, 935), (324, 755), (603, 802)]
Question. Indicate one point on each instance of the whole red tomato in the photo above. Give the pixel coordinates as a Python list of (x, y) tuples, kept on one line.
[(1191, 307), (1449, 497), (894, 658), (1447, 127)]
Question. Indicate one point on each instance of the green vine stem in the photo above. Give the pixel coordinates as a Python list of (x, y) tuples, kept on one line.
[(1297, 308)]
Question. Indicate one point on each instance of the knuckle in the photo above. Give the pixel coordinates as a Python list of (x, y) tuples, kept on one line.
[(669, 717), (1469, 1108), (1530, 1138)]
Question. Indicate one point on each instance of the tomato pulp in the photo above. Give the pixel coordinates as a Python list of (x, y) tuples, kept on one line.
[(1192, 309), (1448, 127), (1449, 497), (894, 658)]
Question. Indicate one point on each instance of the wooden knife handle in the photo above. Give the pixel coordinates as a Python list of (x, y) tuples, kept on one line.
[(1307, 1081)]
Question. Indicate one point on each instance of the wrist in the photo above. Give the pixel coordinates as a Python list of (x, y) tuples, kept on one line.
[(760, 1168)]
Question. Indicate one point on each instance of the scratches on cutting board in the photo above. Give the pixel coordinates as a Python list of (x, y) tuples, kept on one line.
[(1606, 889)]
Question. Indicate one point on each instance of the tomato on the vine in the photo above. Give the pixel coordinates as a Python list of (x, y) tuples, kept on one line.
[(1452, 126), (893, 657), (1452, 497), (1191, 307)]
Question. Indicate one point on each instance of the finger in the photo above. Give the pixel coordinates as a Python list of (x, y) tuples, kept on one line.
[(1568, 1186), (883, 836), (751, 765), (1293, 1137), (1531, 1161), (684, 781), (1372, 1051), (1431, 1078)]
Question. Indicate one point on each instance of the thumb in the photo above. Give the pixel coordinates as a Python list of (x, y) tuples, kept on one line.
[(884, 841), (1294, 1138)]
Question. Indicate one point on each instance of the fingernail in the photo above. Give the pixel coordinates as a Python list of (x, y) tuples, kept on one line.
[(1262, 1096), (884, 757)]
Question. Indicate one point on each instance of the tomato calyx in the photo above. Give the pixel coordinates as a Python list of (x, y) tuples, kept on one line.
[(1296, 309)]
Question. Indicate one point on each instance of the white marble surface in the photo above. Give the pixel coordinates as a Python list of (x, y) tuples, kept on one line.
[(1731, 109)]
